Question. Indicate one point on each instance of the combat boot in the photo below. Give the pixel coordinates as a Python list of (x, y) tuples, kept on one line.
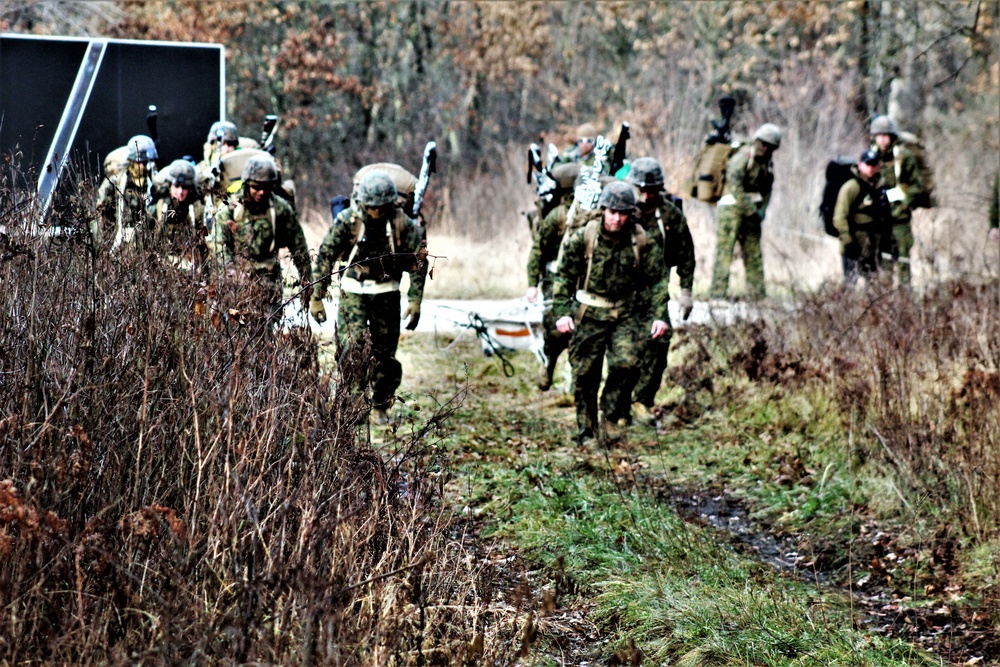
[(643, 415), (612, 432), (544, 378)]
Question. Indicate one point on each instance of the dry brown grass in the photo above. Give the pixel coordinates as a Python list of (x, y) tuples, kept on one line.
[(182, 484)]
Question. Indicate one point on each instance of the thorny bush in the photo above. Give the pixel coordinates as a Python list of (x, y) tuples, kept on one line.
[(182, 483)]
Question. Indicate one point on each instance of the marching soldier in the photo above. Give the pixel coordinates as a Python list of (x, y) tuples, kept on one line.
[(860, 217), (666, 224), (900, 178), (611, 294), (123, 197), (377, 242), (542, 265), (583, 152), (179, 215), (249, 232), (749, 180)]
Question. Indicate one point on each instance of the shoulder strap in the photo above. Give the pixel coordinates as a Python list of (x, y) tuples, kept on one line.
[(897, 160), (589, 240), (639, 240), (357, 231)]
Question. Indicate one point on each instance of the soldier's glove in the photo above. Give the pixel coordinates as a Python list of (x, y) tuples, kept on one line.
[(686, 303), (413, 313), (317, 310)]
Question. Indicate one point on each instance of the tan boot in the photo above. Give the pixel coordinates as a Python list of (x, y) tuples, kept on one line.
[(612, 432), (643, 415)]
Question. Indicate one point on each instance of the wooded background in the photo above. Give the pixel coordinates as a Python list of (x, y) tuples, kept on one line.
[(357, 82)]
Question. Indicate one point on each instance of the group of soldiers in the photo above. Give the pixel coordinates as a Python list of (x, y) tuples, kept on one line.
[(606, 276), (199, 219)]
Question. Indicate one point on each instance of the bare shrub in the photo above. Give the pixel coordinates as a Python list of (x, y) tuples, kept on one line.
[(182, 483)]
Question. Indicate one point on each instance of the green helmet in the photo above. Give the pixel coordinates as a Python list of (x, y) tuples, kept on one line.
[(226, 133), (617, 196), (211, 132), (181, 173), (769, 133), (645, 172), (884, 125), (141, 149), (376, 189), (260, 169)]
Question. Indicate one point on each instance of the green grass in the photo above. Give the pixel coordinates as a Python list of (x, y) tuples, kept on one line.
[(594, 518)]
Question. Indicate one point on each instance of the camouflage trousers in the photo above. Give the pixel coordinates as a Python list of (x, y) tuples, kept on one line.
[(652, 364), (369, 322), (898, 244), (554, 342), (621, 342), (735, 227)]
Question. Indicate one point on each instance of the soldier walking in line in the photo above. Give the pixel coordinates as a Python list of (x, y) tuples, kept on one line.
[(123, 197), (178, 216), (377, 242), (860, 217), (583, 151), (249, 232), (900, 178), (611, 294), (659, 214), (749, 180), (542, 265)]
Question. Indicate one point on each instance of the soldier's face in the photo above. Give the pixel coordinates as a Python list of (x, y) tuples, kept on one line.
[(868, 170), (764, 150), (377, 212), (586, 145), (647, 197), (227, 147), (615, 221), (179, 192), (257, 192)]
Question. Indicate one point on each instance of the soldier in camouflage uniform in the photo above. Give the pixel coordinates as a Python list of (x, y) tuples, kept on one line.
[(123, 197), (542, 264), (859, 217), (583, 152), (179, 216), (611, 294), (377, 242), (900, 178), (248, 233), (749, 180), (660, 215)]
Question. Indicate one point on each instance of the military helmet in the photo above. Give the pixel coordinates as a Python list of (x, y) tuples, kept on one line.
[(260, 169), (376, 189), (769, 133), (227, 133), (211, 132), (181, 173), (141, 149), (884, 125), (617, 196), (645, 172), (587, 130)]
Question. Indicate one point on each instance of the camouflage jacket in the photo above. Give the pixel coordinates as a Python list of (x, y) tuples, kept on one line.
[(614, 274), (257, 237), (667, 225), (572, 154), (899, 169), (748, 183), (545, 247), (178, 227), (375, 250), (121, 201)]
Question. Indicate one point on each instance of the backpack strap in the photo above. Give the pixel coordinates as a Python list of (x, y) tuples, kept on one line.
[(639, 241)]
